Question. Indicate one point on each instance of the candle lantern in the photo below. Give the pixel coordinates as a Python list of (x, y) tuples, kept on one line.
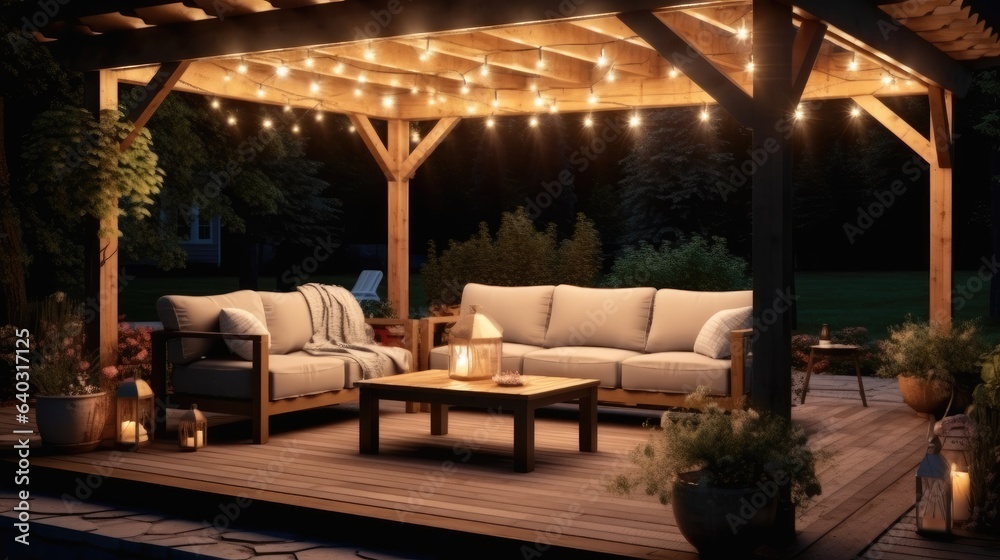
[(474, 347), (934, 492), (956, 433), (192, 430), (134, 420)]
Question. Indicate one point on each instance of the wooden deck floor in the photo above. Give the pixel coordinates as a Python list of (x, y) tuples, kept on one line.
[(429, 491)]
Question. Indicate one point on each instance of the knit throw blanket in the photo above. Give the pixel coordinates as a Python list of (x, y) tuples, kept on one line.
[(339, 329)]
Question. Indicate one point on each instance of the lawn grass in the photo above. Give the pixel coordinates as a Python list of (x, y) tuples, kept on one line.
[(874, 300)]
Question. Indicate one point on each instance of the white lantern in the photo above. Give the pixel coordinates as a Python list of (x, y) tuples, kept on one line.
[(474, 347), (934, 503), (192, 430), (134, 420)]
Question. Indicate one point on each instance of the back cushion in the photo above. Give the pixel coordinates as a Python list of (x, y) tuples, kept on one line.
[(201, 313), (521, 311), (288, 320), (608, 317), (678, 316)]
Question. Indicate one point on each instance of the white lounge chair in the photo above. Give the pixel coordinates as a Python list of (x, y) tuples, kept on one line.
[(366, 285)]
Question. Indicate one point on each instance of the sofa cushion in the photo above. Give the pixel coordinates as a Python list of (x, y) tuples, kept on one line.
[(608, 317), (585, 362), (237, 321), (288, 320), (713, 339), (291, 375), (521, 311), (675, 372), (678, 316), (201, 313), (511, 356)]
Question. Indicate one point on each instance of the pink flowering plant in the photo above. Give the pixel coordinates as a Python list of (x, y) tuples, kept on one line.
[(60, 364), (134, 357)]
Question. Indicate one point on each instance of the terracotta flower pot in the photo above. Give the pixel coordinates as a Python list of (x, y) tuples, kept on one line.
[(923, 395), (71, 424)]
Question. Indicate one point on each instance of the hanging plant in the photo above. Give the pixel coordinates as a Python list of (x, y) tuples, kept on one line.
[(74, 163)]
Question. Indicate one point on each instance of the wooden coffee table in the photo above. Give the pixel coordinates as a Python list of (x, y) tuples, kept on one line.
[(440, 391)]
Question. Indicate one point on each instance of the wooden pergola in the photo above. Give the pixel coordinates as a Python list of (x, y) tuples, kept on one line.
[(403, 61)]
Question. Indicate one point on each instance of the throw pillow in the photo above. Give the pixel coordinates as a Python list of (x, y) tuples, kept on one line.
[(240, 321), (713, 340)]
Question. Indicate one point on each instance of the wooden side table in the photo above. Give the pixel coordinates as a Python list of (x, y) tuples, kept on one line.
[(835, 351)]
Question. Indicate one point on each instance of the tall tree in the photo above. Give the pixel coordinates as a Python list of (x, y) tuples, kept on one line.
[(672, 173)]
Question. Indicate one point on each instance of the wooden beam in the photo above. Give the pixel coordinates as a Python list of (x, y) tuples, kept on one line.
[(317, 24), (889, 119), (426, 146), (941, 215), (100, 275), (156, 91), (398, 277), (875, 28), (808, 40), (941, 133), (702, 71), (374, 144)]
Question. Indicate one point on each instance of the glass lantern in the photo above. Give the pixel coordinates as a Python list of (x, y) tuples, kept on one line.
[(474, 347), (134, 420), (934, 492), (192, 430)]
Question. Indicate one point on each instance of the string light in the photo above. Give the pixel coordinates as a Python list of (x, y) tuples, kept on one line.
[(268, 123), (215, 104), (369, 52), (351, 129), (855, 111), (853, 64), (533, 86), (362, 78), (553, 108), (592, 98), (387, 101), (260, 91), (287, 108), (634, 120), (610, 76), (588, 121), (538, 99), (704, 115), (424, 56), (231, 120), (415, 136), (414, 90), (314, 87), (465, 85), (496, 98), (742, 33), (749, 65), (484, 70), (358, 91), (490, 122), (319, 117), (541, 61), (227, 77), (602, 60), (533, 121), (673, 72), (310, 62), (281, 71), (887, 79), (799, 113), (242, 68), (338, 68), (295, 129)]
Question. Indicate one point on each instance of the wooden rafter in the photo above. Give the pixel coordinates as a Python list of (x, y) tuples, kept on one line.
[(941, 138), (702, 71), (902, 129), (156, 90), (805, 49)]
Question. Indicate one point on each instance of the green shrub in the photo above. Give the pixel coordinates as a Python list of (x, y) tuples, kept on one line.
[(985, 448), (697, 264), (520, 255)]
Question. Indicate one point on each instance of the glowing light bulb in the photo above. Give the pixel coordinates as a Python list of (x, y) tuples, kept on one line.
[(231, 120), (351, 129), (387, 101), (314, 87), (634, 120), (749, 65), (540, 63), (704, 114), (533, 121), (268, 123), (853, 64), (588, 121), (799, 113), (358, 91), (242, 68), (260, 91), (490, 122), (369, 53), (227, 77), (319, 116), (539, 101), (310, 61), (673, 72), (553, 108), (592, 98), (465, 88), (602, 60), (295, 129), (610, 76), (362, 79), (338, 68), (415, 137), (855, 111), (281, 71), (886, 80), (742, 33), (287, 108), (215, 104), (484, 70)]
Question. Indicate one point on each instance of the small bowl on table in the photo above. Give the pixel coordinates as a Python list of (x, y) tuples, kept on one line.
[(508, 378)]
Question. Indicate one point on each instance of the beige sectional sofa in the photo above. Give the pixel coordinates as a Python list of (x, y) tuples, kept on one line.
[(647, 347), (273, 376)]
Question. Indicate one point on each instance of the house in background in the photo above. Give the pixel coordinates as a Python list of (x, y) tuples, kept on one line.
[(203, 236)]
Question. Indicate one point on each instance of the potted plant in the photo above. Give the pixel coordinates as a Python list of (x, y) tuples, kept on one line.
[(984, 448), (385, 334), (72, 400), (936, 365), (722, 472)]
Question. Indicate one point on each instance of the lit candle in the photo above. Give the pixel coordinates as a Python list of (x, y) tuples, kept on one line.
[(128, 432), (189, 442), (960, 506), (462, 361), (200, 439)]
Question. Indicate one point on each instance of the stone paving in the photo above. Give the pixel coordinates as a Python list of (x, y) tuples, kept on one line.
[(100, 531)]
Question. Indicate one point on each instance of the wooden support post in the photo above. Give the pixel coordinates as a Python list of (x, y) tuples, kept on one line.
[(941, 207), (773, 298), (399, 164), (101, 253)]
